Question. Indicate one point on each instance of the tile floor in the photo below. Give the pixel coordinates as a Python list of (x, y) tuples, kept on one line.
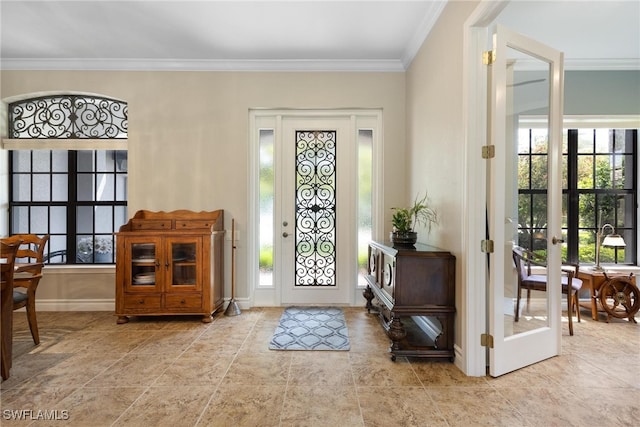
[(88, 371)]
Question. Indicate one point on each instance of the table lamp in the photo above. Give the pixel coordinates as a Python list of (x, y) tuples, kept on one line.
[(614, 240)]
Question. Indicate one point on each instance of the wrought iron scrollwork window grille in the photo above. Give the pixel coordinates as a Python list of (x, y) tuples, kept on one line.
[(68, 117)]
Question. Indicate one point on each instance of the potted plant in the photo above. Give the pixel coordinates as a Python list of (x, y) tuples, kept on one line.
[(102, 249), (96, 249), (103, 245), (404, 221)]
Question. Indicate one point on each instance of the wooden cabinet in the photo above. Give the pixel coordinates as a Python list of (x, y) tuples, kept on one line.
[(170, 263), (413, 291)]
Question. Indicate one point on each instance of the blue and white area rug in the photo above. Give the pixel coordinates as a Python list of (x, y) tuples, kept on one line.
[(311, 328)]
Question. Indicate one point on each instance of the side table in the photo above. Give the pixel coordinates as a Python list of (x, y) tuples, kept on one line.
[(594, 280)]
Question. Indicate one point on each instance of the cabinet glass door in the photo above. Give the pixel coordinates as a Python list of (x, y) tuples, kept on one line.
[(184, 258), (143, 268)]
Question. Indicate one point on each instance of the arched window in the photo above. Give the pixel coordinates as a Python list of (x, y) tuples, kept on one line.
[(68, 174)]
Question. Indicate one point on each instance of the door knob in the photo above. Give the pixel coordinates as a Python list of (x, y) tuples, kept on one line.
[(285, 223), (285, 234), (555, 240)]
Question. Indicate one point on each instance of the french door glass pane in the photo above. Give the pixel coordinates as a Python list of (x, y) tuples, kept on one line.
[(527, 168)]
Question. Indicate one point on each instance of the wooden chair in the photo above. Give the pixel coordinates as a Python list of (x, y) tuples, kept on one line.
[(26, 283), (523, 260), (8, 256)]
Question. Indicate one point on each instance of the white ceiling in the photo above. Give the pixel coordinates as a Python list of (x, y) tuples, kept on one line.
[(284, 35)]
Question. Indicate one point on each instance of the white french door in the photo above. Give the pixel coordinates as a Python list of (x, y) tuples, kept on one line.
[(526, 81)]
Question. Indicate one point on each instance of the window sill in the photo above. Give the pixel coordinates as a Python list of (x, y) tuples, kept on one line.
[(78, 269)]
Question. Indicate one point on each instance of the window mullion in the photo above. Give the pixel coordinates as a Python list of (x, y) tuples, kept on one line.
[(573, 200), (72, 205)]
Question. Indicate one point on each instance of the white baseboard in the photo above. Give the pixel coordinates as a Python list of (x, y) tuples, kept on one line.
[(75, 305), (243, 303), (104, 304)]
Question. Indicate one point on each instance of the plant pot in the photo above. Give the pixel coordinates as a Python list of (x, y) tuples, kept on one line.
[(104, 258), (403, 238)]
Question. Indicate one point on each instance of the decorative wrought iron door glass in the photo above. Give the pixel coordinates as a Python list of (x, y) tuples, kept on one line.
[(315, 254)]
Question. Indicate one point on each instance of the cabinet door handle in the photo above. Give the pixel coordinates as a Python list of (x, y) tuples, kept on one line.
[(182, 301), (141, 301)]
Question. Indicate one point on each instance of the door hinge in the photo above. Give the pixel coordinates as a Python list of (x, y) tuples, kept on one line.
[(488, 151), (488, 57), (486, 340), (486, 246)]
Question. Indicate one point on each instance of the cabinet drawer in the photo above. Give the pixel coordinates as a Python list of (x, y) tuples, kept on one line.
[(142, 302), (183, 301), (151, 224), (193, 224)]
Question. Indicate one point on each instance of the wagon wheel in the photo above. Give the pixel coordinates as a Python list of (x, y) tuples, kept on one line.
[(620, 298)]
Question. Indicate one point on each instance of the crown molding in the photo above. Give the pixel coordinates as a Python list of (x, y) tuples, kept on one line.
[(602, 64), (431, 16), (105, 64), (384, 66), (633, 64)]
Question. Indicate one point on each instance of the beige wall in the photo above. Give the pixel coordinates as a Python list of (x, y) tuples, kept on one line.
[(435, 136), (188, 140)]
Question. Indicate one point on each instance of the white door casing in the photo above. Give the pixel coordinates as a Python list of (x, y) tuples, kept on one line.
[(283, 124)]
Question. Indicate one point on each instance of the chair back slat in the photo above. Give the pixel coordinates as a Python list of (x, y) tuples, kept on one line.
[(31, 247), (8, 252)]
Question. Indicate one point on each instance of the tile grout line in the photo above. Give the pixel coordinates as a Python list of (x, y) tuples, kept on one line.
[(204, 409)]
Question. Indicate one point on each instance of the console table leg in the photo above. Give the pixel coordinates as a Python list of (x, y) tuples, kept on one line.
[(396, 333), (368, 295)]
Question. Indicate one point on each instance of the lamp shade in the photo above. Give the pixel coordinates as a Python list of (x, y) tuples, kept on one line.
[(613, 240)]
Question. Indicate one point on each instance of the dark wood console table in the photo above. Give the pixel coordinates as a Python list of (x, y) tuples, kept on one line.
[(413, 291)]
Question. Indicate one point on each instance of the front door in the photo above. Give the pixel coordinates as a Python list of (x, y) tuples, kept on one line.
[(526, 86), (317, 216)]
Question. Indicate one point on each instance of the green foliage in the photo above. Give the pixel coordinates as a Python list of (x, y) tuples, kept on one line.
[(401, 219), (266, 258), (405, 219), (587, 204), (587, 254), (594, 172), (363, 259)]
